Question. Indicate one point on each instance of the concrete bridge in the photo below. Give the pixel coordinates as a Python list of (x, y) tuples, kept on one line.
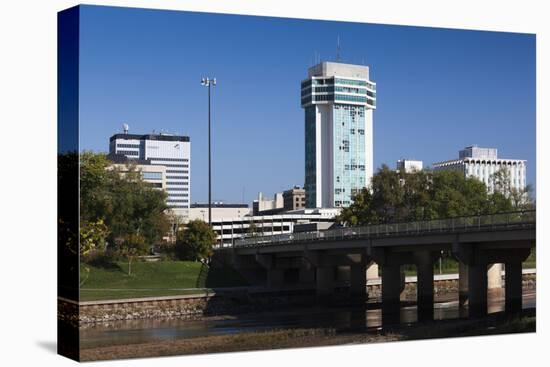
[(320, 258)]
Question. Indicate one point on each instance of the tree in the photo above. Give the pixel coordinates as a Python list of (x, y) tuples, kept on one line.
[(132, 246), (421, 195), (93, 236), (119, 198), (417, 196), (455, 195), (520, 198), (253, 230), (195, 242), (387, 195), (175, 222), (360, 212)]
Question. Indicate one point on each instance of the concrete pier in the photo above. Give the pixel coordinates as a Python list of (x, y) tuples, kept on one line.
[(325, 281), (477, 290), (513, 284), (391, 291), (306, 275), (425, 285), (275, 277), (358, 282)]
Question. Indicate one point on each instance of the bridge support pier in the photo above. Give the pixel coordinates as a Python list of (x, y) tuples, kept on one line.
[(325, 281), (358, 282), (275, 277), (462, 289), (391, 291), (306, 275), (425, 285), (513, 285), (477, 290)]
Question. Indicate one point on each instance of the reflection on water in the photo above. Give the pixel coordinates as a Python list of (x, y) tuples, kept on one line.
[(339, 318)]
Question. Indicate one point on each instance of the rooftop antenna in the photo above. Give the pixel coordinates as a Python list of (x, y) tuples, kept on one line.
[(338, 48), (125, 127)]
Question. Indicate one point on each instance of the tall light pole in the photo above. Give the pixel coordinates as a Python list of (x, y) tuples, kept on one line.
[(207, 82)]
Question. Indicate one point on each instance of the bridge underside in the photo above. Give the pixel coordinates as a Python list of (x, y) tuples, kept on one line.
[(329, 266)]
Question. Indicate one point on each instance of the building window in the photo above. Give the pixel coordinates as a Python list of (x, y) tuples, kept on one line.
[(128, 152), (169, 159), (176, 171), (152, 175), (127, 146)]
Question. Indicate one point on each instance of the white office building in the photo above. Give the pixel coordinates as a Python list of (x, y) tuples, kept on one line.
[(339, 100), (482, 163), (170, 151), (408, 165)]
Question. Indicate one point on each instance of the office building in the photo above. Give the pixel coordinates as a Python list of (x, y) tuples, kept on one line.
[(482, 163), (408, 165), (294, 199), (339, 100), (170, 151)]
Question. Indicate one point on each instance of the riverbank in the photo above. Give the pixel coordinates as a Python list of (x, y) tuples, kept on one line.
[(227, 301), (497, 323)]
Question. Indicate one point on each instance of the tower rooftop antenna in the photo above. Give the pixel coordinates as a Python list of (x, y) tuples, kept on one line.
[(338, 49)]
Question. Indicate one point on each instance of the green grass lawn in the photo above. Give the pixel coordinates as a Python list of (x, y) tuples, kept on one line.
[(150, 279)]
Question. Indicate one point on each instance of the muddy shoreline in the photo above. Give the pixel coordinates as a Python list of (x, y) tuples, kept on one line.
[(497, 323)]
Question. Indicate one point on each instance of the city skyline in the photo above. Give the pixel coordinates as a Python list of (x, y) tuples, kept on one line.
[(141, 67)]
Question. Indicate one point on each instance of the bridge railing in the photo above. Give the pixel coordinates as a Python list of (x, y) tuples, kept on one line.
[(509, 219)]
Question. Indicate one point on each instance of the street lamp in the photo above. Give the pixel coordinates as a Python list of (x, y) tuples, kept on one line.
[(207, 82)]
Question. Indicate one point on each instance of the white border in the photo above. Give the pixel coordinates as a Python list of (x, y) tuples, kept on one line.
[(28, 179)]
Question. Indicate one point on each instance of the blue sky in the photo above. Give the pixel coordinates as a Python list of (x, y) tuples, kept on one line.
[(438, 90)]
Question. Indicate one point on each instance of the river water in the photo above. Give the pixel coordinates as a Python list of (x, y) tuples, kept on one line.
[(339, 318)]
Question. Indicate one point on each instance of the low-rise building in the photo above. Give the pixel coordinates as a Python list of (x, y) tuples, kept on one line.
[(294, 199), (230, 229), (266, 206), (408, 165), (483, 163), (219, 210), (291, 199)]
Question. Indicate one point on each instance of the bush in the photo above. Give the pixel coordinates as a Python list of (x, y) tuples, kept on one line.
[(195, 241)]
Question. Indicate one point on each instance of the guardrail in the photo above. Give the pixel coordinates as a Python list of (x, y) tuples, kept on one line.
[(470, 223)]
